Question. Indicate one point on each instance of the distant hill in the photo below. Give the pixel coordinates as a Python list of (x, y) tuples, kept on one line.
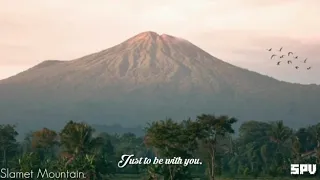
[(118, 129), (150, 77)]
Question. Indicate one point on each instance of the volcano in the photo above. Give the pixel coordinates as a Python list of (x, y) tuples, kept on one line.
[(150, 77)]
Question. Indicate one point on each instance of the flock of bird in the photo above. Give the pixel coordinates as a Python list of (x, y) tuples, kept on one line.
[(290, 57)]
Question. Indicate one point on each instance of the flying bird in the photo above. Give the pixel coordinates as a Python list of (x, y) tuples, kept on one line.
[(289, 62), (297, 67), (305, 60), (273, 55), (309, 68), (269, 49), (280, 49), (281, 56), (296, 57), (290, 53), (279, 63)]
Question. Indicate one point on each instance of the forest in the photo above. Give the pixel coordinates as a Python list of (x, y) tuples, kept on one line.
[(257, 150)]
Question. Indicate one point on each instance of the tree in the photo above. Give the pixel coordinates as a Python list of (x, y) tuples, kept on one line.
[(170, 139), (76, 139), (254, 147), (317, 137), (281, 135), (84, 150), (306, 138), (212, 128), (296, 150), (44, 141), (28, 162), (106, 157), (129, 143), (261, 148), (26, 144), (8, 142)]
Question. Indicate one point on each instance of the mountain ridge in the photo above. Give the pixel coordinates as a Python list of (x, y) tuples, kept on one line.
[(151, 76), (150, 42)]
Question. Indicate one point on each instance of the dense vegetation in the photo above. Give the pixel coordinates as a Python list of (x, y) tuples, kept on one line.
[(261, 149)]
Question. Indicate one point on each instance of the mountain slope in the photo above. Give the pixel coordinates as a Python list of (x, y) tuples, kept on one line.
[(149, 77)]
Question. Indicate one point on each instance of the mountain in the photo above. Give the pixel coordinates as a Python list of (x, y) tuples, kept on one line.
[(150, 77)]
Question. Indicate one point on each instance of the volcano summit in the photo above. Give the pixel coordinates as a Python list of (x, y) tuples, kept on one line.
[(150, 77)]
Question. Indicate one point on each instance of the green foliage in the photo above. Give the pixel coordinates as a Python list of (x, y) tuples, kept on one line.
[(76, 138), (260, 150), (28, 162), (212, 133), (8, 143), (170, 139)]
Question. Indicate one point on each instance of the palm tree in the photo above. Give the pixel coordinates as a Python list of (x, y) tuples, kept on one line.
[(77, 139), (296, 149), (316, 135), (82, 148), (280, 136)]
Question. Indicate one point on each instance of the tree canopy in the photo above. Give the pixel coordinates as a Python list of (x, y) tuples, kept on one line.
[(264, 149)]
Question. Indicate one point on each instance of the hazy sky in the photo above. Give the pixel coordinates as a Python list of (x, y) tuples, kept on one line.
[(237, 31)]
